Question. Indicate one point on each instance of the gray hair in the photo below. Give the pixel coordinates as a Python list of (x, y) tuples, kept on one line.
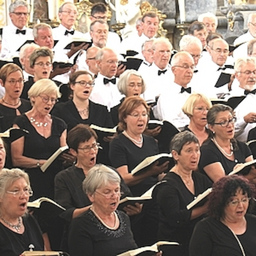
[(187, 40), (98, 176), (215, 110), (250, 17), (100, 53), (146, 42), (9, 176), (40, 52), (159, 41), (178, 57), (40, 26), (17, 4), (62, 6), (96, 22), (24, 48), (208, 15), (243, 61), (124, 78), (46, 86), (181, 139)]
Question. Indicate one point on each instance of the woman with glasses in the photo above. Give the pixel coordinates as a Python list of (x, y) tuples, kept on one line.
[(102, 230), (11, 105), (130, 83), (229, 229), (82, 141), (46, 134), (81, 110), (18, 229), (196, 108), (222, 152), (127, 150)]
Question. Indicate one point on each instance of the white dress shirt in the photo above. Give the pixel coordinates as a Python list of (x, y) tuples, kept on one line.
[(11, 41), (105, 94)]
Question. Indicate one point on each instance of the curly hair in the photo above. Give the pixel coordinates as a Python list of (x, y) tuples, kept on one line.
[(223, 191)]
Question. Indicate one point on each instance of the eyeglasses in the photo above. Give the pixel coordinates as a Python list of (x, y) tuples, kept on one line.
[(108, 194), (47, 99), (88, 149), (194, 56), (137, 115), (248, 72), (93, 58), (219, 51), (85, 83), (227, 122), (41, 64), (99, 17), (16, 192), (164, 52), (70, 12), (235, 202), (254, 24), (185, 66), (201, 109), (21, 13), (14, 82)]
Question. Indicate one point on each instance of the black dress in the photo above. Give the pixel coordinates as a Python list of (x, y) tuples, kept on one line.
[(7, 116), (212, 238), (13, 244), (39, 147), (98, 115), (172, 197), (89, 237)]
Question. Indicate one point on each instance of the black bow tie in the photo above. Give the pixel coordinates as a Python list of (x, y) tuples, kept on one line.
[(161, 71), (196, 70), (221, 68), (246, 92), (113, 80), (69, 32), (23, 32), (188, 90)]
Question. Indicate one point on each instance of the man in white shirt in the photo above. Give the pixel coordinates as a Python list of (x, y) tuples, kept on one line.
[(246, 110), (214, 75), (16, 34), (105, 91), (159, 75), (150, 23), (169, 105), (241, 51)]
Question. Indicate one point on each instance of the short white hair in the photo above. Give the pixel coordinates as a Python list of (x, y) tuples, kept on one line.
[(208, 15), (187, 40)]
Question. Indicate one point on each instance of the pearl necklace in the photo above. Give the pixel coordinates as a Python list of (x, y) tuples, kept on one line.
[(38, 124), (16, 227), (101, 220), (135, 141), (222, 150), (14, 105)]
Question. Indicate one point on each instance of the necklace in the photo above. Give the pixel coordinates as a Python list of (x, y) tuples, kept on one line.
[(103, 222), (16, 227), (38, 124), (222, 150), (84, 112), (138, 142), (16, 104)]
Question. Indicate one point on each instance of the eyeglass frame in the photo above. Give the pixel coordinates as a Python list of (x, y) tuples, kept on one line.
[(227, 122), (41, 64), (235, 202), (27, 192), (201, 109), (14, 82), (219, 51), (46, 99), (19, 14), (88, 149), (110, 194), (185, 66), (247, 72), (69, 12), (85, 83)]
